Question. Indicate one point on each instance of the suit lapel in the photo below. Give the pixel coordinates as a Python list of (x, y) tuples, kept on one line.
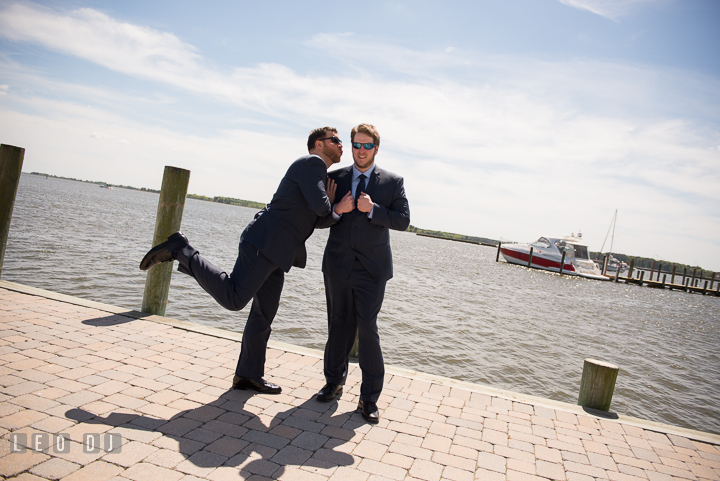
[(373, 181)]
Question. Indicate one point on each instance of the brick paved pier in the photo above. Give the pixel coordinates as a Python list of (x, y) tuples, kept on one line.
[(83, 368)]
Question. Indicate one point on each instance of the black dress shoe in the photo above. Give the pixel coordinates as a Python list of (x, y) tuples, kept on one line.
[(369, 411), (329, 392), (163, 252), (259, 385)]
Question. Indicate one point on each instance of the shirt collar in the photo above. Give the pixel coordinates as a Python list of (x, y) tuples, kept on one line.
[(357, 173)]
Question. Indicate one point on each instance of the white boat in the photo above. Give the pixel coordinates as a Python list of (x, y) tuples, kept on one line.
[(547, 253)]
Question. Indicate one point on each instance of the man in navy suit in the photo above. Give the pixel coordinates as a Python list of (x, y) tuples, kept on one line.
[(356, 266), (269, 246)]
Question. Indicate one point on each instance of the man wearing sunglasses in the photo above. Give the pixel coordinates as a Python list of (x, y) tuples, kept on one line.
[(356, 266), (269, 246)]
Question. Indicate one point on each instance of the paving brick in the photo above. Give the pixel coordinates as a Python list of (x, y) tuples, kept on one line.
[(98, 471), (54, 468), (16, 463), (492, 462), (146, 472)]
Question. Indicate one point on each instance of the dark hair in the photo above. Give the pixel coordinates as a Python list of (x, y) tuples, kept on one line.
[(368, 129), (318, 134)]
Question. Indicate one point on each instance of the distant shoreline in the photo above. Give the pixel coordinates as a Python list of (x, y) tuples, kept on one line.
[(640, 262)]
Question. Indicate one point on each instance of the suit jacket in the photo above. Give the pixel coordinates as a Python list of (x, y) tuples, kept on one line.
[(355, 235), (288, 220)]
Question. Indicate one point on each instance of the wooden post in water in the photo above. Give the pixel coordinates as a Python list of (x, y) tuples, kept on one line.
[(659, 271), (597, 384), (617, 274), (562, 261), (712, 280), (642, 275), (497, 256), (11, 160), (169, 217), (356, 346), (630, 270), (664, 277), (652, 271), (692, 282), (605, 263), (705, 288), (530, 258), (672, 279)]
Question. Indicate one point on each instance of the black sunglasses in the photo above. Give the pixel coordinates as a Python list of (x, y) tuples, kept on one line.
[(368, 145), (333, 139)]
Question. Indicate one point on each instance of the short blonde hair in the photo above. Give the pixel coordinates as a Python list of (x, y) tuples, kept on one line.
[(367, 129)]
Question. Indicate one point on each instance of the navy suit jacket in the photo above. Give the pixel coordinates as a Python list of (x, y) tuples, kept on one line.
[(289, 219), (355, 235)]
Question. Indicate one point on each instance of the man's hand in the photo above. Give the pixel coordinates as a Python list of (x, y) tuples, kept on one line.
[(346, 204), (330, 190), (364, 203)]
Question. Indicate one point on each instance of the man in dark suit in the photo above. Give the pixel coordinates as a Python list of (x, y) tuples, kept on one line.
[(356, 266), (269, 246)]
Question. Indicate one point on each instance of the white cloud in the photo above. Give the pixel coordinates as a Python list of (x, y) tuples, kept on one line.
[(611, 9), (495, 146)]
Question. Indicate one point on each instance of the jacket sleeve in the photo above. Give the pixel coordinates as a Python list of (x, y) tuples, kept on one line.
[(312, 184), (397, 215)]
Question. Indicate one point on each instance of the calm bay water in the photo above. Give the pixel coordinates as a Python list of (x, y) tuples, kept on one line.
[(450, 310)]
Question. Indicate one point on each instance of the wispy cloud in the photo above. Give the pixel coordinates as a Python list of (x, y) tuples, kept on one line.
[(493, 139), (611, 9)]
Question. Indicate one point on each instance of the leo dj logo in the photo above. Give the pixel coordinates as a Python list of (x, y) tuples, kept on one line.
[(60, 443)]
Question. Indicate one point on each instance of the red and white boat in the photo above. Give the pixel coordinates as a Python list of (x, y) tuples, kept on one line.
[(547, 252)]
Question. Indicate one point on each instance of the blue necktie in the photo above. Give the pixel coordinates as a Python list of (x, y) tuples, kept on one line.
[(360, 188)]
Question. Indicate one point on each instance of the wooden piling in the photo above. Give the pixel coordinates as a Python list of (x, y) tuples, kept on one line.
[(497, 256), (605, 263), (562, 261), (652, 271), (597, 384), (11, 160), (530, 258), (356, 347), (169, 217), (630, 270), (672, 279)]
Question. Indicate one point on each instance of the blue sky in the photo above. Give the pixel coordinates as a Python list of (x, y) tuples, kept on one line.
[(508, 119)]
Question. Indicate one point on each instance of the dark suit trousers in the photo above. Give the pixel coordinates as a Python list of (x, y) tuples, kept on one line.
[(353, 306), (253, 277)]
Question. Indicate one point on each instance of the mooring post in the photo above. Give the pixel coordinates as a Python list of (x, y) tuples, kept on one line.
[(562, 261), (605, 263), (169, 217), (642, 275), (652, 271), (354, 350), (712, 280), (664, 278), (617, 274), (597, 384), (11, 160), (530, 258), (692, 282), (497, 256), (672, 279), (630, 270)]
